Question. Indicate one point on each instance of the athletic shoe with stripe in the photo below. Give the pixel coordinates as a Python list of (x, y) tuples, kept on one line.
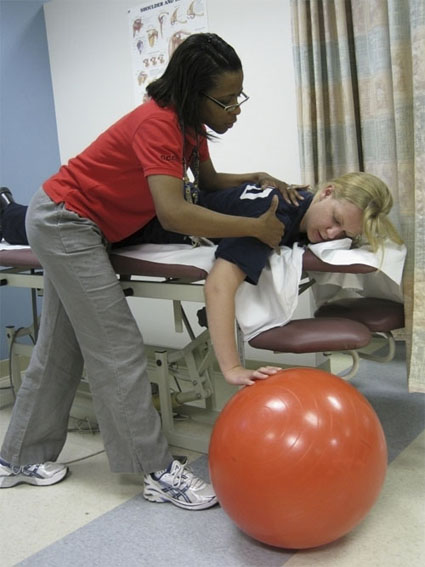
[(43, 474), (178, 485)]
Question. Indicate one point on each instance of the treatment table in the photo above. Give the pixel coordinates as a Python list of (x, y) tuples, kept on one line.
[(183, 379)]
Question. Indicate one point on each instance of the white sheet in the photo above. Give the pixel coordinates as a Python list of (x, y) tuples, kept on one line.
[(269, 304), (273, 301), (386, 282), (6, 246)]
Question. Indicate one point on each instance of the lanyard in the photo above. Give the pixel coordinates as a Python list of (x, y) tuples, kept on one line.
[(191, 188)]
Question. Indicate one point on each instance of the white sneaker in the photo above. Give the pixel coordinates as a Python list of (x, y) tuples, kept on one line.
[(42, 474), (181, 487)]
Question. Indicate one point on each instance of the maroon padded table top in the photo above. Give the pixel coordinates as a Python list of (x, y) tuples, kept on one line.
[(378, 314), (127, 266), (314, 335)]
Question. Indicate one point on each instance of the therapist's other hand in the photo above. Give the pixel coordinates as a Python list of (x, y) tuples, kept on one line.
[(240, 376), (289, 192), (270, 229)]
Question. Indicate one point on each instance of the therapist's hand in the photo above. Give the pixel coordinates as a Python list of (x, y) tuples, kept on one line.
[(289, 192), (270, 228)]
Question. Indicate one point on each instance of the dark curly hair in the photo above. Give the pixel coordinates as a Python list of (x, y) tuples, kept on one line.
[(193, 69)]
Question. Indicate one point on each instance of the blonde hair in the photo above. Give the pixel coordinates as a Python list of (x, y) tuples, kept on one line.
[(373, 197)]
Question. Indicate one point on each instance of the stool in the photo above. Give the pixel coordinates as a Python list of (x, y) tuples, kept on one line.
[(327, 334), (381, 317)]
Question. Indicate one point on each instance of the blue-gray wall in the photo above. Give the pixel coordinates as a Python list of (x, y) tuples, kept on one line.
[(29, 150)]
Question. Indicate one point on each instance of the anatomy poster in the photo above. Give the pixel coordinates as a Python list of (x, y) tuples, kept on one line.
[(156, 29)]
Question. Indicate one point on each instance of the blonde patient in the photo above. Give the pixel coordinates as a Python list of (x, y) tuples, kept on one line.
[(355, 205)]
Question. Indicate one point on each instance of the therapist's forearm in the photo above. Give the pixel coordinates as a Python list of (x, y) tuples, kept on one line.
[(200, 221), (177, 215)]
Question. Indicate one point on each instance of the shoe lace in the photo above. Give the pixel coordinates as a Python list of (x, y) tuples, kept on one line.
[(21, 469), (181, 472), (29, 469)]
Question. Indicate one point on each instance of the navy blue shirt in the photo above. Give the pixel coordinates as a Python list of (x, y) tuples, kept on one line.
[(248, 253)]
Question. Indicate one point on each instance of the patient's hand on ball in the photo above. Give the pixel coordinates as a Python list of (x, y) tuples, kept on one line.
[(240, 376)]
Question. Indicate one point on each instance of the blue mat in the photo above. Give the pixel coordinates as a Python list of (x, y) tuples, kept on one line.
[(141, 534)]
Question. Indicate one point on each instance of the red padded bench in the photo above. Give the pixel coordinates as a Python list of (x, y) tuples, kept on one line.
[(381, 317), (331, 334)]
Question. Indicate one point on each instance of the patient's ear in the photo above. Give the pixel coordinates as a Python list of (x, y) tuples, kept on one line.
[(326, 191)]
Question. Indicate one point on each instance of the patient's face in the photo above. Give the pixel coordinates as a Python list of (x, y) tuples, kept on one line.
[(329, 218)]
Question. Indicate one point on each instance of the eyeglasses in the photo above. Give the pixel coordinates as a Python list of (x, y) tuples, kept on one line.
[(229, 107)]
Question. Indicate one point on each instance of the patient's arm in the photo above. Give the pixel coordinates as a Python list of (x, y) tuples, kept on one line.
[(220, 290)]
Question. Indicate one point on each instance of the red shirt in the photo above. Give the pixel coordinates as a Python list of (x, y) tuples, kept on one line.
[(107, 181)]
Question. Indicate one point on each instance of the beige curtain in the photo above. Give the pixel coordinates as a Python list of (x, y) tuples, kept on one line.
[(360, 71)]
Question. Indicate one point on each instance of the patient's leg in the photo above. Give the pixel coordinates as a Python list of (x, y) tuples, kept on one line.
[(13, 224)]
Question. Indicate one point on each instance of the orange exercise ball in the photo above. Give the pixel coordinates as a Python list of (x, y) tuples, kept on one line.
[(297, 460)]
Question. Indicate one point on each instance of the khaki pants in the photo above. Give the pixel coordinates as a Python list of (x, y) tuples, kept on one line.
[(86, 322)]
